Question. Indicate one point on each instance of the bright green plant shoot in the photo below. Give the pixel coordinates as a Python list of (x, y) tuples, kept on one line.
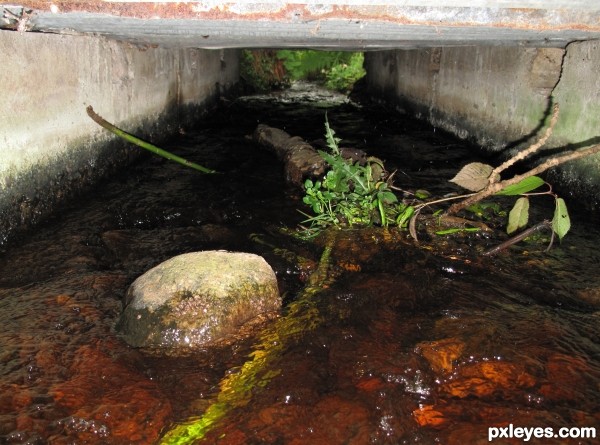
[(143, 144), (350, 193)]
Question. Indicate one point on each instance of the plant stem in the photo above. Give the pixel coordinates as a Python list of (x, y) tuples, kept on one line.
[(497, 186), (531, 149), (494, 187), (140, 143), (515, 239), (449, 198)]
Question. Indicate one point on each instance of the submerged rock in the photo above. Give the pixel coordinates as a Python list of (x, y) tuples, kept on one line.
[(197, 299)]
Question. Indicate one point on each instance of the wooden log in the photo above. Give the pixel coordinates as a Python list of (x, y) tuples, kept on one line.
[(300, 159)]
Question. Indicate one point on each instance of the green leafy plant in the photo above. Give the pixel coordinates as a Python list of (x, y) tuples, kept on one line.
[(351, 193), (308, 64), (478, 177), (264, 70), (337, 70), (343, 76)]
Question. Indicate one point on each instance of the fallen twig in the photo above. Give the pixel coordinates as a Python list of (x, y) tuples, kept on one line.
[(532, 148), (494, 186)]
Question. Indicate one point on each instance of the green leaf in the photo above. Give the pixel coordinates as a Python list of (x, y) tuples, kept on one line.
[(329, 196), (332, 141), (422, 194), (143, 144), (561, 222), (403, 218), (331, 160), (382, 215), (524, 186), (519, 215), (457, 230), (387, 197)]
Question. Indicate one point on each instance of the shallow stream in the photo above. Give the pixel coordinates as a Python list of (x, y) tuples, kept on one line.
[(407, 344)]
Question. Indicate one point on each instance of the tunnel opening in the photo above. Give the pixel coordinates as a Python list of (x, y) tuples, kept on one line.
[(265, 70), (380, 339)]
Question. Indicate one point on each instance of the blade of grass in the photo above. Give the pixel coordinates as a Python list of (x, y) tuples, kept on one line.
[(143, 144)]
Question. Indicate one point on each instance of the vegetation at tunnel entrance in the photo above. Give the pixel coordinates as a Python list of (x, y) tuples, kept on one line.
[(264, 70), (337, 70)]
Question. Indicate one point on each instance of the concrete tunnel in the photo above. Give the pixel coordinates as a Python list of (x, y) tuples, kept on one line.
[(484, 70)]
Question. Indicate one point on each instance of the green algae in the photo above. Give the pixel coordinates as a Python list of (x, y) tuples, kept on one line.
[(236, 389)]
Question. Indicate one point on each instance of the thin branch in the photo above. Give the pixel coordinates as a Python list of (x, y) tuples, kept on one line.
[(531, 149), (562, 159), (490, 190), (521, 236), (448, 198), (497, 186)]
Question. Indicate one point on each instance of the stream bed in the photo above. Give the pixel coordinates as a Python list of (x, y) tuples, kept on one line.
[(408, 344)]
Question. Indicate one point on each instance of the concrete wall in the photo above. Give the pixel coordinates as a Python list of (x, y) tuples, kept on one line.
[(499, 97), (50, 150), (496, 96)]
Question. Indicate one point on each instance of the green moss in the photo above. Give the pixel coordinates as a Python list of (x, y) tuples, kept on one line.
[(237, 388), (198, 298)]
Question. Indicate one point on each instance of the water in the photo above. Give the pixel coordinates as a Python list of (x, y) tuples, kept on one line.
[(408, 344)]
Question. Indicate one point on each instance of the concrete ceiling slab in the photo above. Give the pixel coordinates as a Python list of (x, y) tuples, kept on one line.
[(340, 24)]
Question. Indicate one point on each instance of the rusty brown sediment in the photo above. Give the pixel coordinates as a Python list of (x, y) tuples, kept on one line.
[(516, 18)]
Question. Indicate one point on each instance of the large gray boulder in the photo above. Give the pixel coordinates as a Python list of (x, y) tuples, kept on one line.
[(198, 299)]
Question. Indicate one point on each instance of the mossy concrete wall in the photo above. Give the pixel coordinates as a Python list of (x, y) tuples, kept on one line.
[(50, 150), (500, 97)]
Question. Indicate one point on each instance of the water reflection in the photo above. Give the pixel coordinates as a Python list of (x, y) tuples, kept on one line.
[(407, 345)]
